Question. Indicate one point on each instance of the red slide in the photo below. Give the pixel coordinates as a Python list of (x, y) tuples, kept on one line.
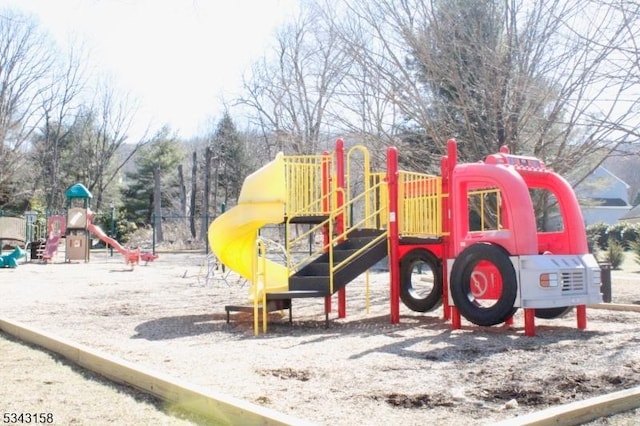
[(51, 246), (56, 226), (132, 257)]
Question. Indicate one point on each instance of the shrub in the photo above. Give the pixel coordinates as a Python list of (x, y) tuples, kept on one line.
[(614, 254), (597, 233), (623, 233), (122, 228), (630, 235), (592, 245), (616, 232), (635, 249)]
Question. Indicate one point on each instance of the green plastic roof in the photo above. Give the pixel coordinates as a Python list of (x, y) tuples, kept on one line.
[(78, 191)]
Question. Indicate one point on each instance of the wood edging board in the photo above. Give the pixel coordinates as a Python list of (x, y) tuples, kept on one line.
[(223, 409), (580, 412), (616, 307)]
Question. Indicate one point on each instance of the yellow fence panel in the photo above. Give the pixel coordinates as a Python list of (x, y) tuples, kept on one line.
[(303, 180), (420, 205)]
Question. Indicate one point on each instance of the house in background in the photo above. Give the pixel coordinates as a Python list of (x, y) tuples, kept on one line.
[(632, 216), (603, 197)]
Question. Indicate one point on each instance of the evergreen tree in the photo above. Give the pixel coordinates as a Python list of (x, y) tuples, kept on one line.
[(229, 161), (164, 152)]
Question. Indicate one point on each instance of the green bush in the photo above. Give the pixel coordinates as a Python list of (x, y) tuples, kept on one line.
[(616, 233), (597, 234), (614, 254), (630, 235), (592, 245), (635, 249)]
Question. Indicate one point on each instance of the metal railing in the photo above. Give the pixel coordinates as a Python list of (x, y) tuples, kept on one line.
[(260, 270), (334, 237)]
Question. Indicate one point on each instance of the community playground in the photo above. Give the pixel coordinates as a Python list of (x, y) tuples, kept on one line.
[(468, 239), (363, 360)]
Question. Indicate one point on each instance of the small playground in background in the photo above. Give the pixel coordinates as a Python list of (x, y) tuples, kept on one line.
[(71, 234)]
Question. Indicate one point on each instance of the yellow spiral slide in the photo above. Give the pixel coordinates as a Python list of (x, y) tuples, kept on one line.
[(233, 235)]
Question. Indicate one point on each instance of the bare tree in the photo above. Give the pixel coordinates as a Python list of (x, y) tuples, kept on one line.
[(530, 75), (182, 191), (192, 202), (106, 127), (207, 189), (27, 59), (290, 92), (60, 107)]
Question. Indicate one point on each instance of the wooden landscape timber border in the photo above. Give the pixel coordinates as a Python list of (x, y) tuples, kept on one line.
[(616, 307), (579, 412), (223, 409), (587, 410)]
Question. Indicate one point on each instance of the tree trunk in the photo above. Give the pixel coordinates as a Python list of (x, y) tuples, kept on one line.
[(183, 192), (157, 204), (205, 196), (226, 185), (192, 212), (215, 186)]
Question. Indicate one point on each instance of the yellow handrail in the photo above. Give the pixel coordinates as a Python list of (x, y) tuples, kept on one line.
[(366, 171), (260, 269), (335, 239)]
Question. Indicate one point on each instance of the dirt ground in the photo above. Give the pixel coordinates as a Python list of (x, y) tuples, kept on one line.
[(169, 316)]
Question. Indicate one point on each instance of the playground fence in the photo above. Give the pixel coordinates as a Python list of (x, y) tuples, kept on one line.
[(12, 228), (304, 183), (420, 212)]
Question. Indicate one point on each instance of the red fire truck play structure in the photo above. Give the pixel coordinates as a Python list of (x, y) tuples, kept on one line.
[(474, 232)]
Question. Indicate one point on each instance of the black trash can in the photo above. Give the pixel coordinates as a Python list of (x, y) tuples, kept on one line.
[(605, 286)]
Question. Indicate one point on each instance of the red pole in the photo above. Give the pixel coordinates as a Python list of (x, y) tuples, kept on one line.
[(529, 322), (447, 165), (326, 189), (394, 238), (340, 219), (446, 220), (456, 320), (581, 311)]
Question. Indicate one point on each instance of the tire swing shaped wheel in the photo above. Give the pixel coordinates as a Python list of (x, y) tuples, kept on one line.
[(553, 313), (462, 279), (417, 269)]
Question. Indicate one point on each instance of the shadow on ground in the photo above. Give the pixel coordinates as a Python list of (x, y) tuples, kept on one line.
[(168, 328)]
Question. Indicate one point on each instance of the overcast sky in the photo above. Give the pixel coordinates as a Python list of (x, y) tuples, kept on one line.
[(178, 58)]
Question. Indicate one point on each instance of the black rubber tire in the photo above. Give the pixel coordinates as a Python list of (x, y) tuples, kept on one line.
[(552, 313), (411, 295), (460, 285)]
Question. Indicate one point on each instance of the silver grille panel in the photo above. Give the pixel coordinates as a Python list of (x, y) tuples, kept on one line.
[(573, 282)]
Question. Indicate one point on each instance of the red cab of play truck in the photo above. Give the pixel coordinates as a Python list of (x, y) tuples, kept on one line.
[(513, 237)]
